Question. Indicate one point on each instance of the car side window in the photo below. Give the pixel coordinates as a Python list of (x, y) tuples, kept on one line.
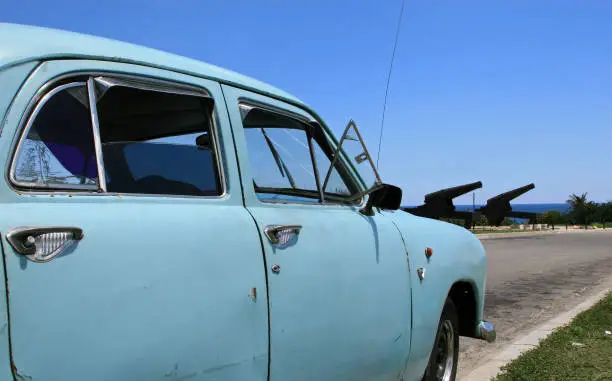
[(152, 140), (287, 161), (160, 144), (58, 150)]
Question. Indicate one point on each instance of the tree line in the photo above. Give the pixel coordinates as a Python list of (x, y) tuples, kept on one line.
[(581, 212)]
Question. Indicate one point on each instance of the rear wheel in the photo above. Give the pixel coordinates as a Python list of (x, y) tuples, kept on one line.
[(442, 364)]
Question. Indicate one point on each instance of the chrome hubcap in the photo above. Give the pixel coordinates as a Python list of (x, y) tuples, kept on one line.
[(445, 352)]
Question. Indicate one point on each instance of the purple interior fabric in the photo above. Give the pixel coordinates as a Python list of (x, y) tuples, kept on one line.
[(65, 128), (73, 160)]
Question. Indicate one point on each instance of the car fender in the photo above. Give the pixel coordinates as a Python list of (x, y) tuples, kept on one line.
[(457, 256)]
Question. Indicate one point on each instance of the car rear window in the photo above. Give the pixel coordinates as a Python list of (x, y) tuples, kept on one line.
[(152, 140)]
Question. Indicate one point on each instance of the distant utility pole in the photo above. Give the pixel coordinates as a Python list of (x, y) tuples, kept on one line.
[(473, 210)]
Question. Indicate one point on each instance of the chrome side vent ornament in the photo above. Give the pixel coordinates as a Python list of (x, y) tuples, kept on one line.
[(43, 244)]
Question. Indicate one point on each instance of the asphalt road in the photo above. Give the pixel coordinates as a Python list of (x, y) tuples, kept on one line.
[(532, 279)]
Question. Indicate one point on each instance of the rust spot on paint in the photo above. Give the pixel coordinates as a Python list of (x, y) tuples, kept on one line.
[(19, 376)]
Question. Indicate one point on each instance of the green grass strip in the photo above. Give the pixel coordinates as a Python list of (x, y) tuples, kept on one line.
[(580, 351)]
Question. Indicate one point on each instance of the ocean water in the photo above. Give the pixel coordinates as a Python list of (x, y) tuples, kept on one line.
[(533, 208)]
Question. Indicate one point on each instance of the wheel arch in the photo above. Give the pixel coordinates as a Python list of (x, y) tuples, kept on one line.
[(464, 297)]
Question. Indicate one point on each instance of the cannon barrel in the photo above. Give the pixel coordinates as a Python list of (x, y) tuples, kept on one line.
[(510, 195), (439, 204), (498, 207), (450, 193)]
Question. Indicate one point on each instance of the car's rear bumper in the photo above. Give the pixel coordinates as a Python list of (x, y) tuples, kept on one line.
[(486, 331)]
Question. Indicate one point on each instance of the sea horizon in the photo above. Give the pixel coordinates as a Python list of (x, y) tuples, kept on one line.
[(562, 207)]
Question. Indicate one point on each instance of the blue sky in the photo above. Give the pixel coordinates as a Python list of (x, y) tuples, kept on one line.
[(506, 92)]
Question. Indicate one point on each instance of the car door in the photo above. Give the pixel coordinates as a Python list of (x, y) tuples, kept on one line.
[(129, 253), (340, 301)]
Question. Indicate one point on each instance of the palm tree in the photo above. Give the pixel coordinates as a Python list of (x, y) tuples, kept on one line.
[(581, 210), (576, 201), (603, 213)]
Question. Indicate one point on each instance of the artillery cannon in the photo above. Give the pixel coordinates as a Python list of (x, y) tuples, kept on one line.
[(439, 204), (498, 207)]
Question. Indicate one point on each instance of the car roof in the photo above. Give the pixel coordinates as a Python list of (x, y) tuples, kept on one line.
[(22, 43)]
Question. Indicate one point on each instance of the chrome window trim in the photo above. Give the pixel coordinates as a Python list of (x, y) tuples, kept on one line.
[(74, 187), (158, 86), (245, 102), (315, 167), (338, 153), (95, 126), (314, 202), (76, 192), (48, 87)]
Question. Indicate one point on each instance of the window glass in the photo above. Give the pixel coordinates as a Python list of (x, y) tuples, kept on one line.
[(157, 143), (335, 184), (281, 159), (58, 150)]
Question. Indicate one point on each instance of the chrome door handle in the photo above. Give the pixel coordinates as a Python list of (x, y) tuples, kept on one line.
[(281, 234), (41, 244)]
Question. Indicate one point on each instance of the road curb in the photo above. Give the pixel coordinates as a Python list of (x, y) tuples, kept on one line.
[(532, 339), (514, 235), (488, 236)]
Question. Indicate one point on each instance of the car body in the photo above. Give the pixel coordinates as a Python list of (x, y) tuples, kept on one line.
[(122, 262)]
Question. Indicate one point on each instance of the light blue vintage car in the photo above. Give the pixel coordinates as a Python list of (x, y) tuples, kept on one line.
[(165, 219)]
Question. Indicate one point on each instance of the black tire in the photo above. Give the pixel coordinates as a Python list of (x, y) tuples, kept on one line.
[(439, 368)]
